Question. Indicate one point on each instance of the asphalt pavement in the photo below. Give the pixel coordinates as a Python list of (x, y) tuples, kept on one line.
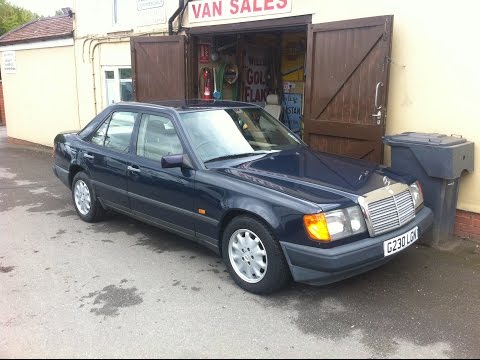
[(122, 289)]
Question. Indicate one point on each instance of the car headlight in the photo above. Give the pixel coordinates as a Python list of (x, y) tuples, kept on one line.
[(417, 194), (336, 224)]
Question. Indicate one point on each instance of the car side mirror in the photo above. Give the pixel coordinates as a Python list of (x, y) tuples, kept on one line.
[(174, 161)]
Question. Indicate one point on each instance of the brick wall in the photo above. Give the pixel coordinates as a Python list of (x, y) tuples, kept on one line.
[(2, 106), (467, 225)]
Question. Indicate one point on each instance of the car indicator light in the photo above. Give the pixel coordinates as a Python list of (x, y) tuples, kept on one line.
[(316, 226)]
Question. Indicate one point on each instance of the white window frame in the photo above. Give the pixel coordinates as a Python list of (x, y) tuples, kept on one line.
[(116, 81)]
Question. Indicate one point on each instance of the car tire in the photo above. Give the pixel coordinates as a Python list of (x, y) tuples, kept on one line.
[(253, 257), (85, 202)]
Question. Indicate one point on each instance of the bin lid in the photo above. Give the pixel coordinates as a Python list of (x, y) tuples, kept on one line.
[(429, 139)]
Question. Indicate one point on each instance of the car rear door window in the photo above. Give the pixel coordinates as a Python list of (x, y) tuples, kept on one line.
[(99, 135), (157, 137), (115, 132)]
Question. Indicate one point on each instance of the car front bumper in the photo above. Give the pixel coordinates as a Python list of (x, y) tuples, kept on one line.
[(316, 266)]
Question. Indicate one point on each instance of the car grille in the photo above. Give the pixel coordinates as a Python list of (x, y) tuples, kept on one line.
[(388, 209)]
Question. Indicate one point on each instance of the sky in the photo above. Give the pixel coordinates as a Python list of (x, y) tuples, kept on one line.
[(42, 7)]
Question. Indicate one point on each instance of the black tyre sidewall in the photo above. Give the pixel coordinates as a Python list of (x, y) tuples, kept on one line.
[(278, 272), (95, 207)]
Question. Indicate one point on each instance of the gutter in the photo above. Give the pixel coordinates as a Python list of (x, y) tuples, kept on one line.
[(181, 5), (37, 39)]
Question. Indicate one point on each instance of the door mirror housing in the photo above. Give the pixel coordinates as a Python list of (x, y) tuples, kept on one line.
[(174, 161)]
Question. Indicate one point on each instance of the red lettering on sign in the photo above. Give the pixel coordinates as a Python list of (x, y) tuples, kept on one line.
[(234, 7), (196, 11), (256, 77), (267, 5), (249, 77), (258, 96), (248, 93), (256, 7), (206, 11), (246, 6), (217, 8), (282, 4)]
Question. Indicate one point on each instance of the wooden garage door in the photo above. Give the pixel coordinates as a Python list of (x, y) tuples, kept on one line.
[(346, 88), (158, 67)]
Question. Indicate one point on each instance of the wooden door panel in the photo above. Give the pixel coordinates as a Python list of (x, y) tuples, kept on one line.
[(352, 103), (355, 148), (158, 67), (345, 62)]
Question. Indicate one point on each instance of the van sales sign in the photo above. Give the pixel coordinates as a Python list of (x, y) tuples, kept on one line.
[(214, 10)]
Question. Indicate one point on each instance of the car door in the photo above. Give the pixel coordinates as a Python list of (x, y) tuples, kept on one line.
[(106, 157), (160, 195)]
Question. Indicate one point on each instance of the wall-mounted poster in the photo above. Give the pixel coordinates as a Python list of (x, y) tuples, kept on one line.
[(292, 115), (255, 76), (203, 53)]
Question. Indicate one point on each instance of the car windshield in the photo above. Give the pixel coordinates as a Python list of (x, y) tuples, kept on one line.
[(229, 133)]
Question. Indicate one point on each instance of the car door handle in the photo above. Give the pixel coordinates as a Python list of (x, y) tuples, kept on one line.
[(133, 168), (88, 156)]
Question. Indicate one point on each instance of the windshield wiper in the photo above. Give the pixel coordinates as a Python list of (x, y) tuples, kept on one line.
[(236, 156)]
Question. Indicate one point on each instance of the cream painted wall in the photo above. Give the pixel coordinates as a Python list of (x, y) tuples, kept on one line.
[(105, 54), (40, 98), (94, 17)]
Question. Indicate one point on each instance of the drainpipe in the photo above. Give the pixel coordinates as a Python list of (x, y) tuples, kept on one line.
[(92, 61), (181, 4)]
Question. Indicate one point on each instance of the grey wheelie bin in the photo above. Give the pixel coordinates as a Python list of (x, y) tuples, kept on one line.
[(437, 161)]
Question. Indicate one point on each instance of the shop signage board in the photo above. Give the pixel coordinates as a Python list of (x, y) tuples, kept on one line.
[(9, 62), (214, 10), (139, 13), (149, 4)]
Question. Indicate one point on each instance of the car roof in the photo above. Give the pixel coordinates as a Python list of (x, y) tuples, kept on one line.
[(191, 105)]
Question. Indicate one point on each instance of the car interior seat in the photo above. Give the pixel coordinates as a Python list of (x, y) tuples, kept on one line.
[(153, 147), (273, 106)]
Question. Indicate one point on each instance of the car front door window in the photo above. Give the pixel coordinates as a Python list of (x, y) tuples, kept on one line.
[(157, 138)]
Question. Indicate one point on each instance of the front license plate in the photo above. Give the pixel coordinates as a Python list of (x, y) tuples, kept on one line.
[(400, 242)]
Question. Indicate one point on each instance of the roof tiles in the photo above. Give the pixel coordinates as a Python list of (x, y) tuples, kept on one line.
[(40, 29)]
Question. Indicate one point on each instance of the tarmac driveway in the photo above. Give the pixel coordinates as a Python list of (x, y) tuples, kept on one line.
[(124, 289)]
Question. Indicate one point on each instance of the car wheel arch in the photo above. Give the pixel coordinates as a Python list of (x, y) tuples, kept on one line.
[(233, 213), (74, 170)]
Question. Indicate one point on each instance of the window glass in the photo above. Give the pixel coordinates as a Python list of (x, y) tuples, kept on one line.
[(157, 137), (126, 91), (117, 85), (119, 131), (125, 73), (216, 134), (99, 135)]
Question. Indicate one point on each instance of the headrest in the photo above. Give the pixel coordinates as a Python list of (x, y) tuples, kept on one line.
[(272, 99), (155, 126)]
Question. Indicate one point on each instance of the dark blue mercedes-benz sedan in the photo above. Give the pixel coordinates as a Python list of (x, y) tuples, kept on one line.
[(231, 177)]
